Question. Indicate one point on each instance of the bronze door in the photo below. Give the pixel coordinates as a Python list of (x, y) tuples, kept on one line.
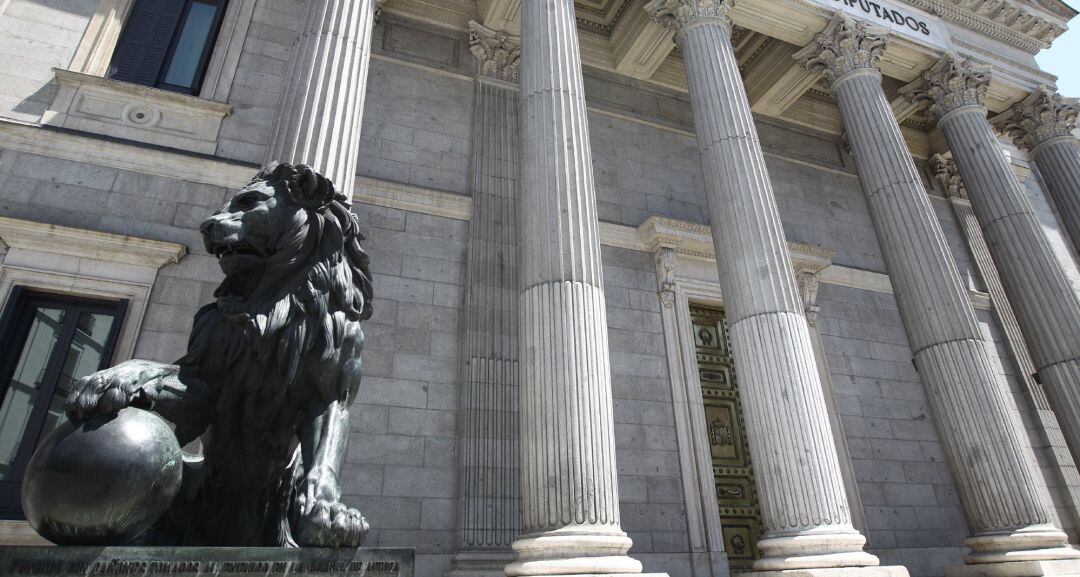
[(733, 472)]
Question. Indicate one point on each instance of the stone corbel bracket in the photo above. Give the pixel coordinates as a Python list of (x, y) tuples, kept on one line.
[(672, 241)]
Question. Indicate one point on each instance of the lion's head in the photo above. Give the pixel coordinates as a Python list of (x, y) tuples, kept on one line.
[(294, 268)]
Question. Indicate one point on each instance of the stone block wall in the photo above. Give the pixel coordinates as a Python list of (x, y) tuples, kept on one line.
[(35, 37), (402, 465), (913, 514), (650, 485), (90, 196)]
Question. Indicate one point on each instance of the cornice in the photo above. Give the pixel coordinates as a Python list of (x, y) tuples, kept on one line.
[(1003, 20)]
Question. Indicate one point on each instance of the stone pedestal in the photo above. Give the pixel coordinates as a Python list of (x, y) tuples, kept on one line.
[(205, 561), (803, 503), (1046, 305), (570, 492), (986, 449), (320, 112)]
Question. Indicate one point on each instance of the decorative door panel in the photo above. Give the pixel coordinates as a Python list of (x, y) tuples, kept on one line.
[(733, 473)]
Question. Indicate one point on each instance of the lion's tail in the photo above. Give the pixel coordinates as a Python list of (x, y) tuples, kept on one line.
[(280, 525)]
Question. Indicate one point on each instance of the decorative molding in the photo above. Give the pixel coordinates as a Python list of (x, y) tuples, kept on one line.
[(36, 140), (953, 82), (498, 53), (1043, 116), (677, 14), (846, 45), (1010, 22), (134, 112), (666, 261), (95, 50), (412, 198), (808, 288), (639, 45), (944, 170), (79, 262), (82, 243), (696, 240)]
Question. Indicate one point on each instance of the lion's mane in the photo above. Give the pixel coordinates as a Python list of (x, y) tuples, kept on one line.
[(315, 285)]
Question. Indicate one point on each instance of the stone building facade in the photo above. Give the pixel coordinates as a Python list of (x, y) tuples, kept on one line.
[(694, 287)]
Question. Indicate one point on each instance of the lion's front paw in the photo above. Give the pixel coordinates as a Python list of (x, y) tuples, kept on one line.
[(105, 392), (330, 524)]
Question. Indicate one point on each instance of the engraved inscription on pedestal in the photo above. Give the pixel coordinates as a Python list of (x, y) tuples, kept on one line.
[(204, 562)]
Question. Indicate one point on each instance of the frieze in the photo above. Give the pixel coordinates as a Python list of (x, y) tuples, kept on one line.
[(899, 19)]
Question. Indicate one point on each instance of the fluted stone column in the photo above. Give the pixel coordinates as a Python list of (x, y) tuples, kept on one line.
[(490, 513), (319, 113), (987, 451), (1043, 124), (570, 491), (1046, 306), (803, 504)]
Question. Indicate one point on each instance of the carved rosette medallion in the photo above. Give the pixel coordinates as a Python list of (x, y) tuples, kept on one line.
[(1042, 116), (677, 14), (944, 170), (952, 83), (498, 52), (846, 45)]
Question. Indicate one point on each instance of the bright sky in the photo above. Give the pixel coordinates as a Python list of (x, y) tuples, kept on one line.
[(1063, 58)]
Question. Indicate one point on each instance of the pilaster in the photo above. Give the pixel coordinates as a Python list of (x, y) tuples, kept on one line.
[(1047, 308), (787, 421), (1043, 124), (570, 491), (320, 111), (490, 507)]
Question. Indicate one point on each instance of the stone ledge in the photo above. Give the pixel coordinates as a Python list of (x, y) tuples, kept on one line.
[(872, 571), (82, 243), (134, 112), (1054, 568)]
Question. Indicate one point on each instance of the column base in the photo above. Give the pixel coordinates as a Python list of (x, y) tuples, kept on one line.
[(567, 552), (869, 571), (1053, 568), (814, 549), (1032, 543)]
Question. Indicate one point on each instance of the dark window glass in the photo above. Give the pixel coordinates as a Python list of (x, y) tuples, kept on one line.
[(167, 43), (191, 44), (48, 343)]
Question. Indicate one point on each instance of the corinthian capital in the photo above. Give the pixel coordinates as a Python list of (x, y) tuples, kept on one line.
[(1041, 116), (680, 13), (952, 83), (844, 46), (498, 53)]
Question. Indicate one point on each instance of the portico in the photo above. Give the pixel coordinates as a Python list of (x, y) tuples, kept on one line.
[(662, 286)]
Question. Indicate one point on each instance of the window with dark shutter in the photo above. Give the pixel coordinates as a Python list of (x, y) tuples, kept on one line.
[(167, 43)]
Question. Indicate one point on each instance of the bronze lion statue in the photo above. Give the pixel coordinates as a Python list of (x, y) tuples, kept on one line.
[(271, 369)]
